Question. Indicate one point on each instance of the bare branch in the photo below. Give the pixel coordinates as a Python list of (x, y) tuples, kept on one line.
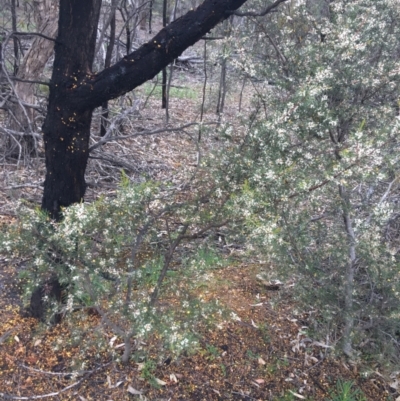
[(30, 82), (38, 397), (106, 139), (43, 372), (33, 34)]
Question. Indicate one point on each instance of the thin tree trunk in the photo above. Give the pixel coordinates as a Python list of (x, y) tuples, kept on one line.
[(203, 100), (15, 39), (111, 15), (349, 275), (171, 70), (107, 63), (164, 71), (241, 93), (127, 27), (143, 11), (222, 81), (150, 15), (222, 88)]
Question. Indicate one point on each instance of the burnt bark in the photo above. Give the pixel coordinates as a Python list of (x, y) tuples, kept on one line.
[(76, 91), (67, 125)]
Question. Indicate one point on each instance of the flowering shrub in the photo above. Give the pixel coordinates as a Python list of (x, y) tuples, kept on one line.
[(319, 168), (113, 256)]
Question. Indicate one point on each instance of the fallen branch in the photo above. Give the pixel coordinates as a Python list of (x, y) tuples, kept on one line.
[(143, 133), (54, 394)]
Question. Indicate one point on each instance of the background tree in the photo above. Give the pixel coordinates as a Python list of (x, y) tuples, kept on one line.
[(22, 113)]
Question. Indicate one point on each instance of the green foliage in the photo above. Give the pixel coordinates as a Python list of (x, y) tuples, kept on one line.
[(345, 391), (147, 369), (212, 351)]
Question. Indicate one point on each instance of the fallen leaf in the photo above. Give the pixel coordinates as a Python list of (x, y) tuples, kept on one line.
[(253, 324), (16, 338), (261, 361), (259, 381), (133, 391), (297, 395), (319, 344), (173, 378), (37, 342), (111, 343), (160, 382)]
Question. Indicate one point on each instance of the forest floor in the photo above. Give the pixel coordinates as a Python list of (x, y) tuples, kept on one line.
[(267, 353)]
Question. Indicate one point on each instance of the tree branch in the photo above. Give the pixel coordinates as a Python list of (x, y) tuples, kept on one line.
[(145, 63), (34, 34), (143, 133), (30, 82)]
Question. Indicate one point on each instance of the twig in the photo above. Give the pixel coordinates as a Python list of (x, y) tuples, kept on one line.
[(38, 397), (12, 133), (315, 365), (59, 373), (144, 133), (6, 335), (30, 82), (167, 261), (34, 34), (243, 395), (24, 186), (207, 228)]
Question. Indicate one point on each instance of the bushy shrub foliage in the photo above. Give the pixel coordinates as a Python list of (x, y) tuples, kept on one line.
[(127, 258), (319, 166)]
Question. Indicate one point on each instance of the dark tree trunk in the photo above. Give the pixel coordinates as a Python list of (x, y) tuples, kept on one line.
[(67, 126), (75, 91)]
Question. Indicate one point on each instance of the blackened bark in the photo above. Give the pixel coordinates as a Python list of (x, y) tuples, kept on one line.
[(146, 62), (67, 127), (38, 306), (75, 91)]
